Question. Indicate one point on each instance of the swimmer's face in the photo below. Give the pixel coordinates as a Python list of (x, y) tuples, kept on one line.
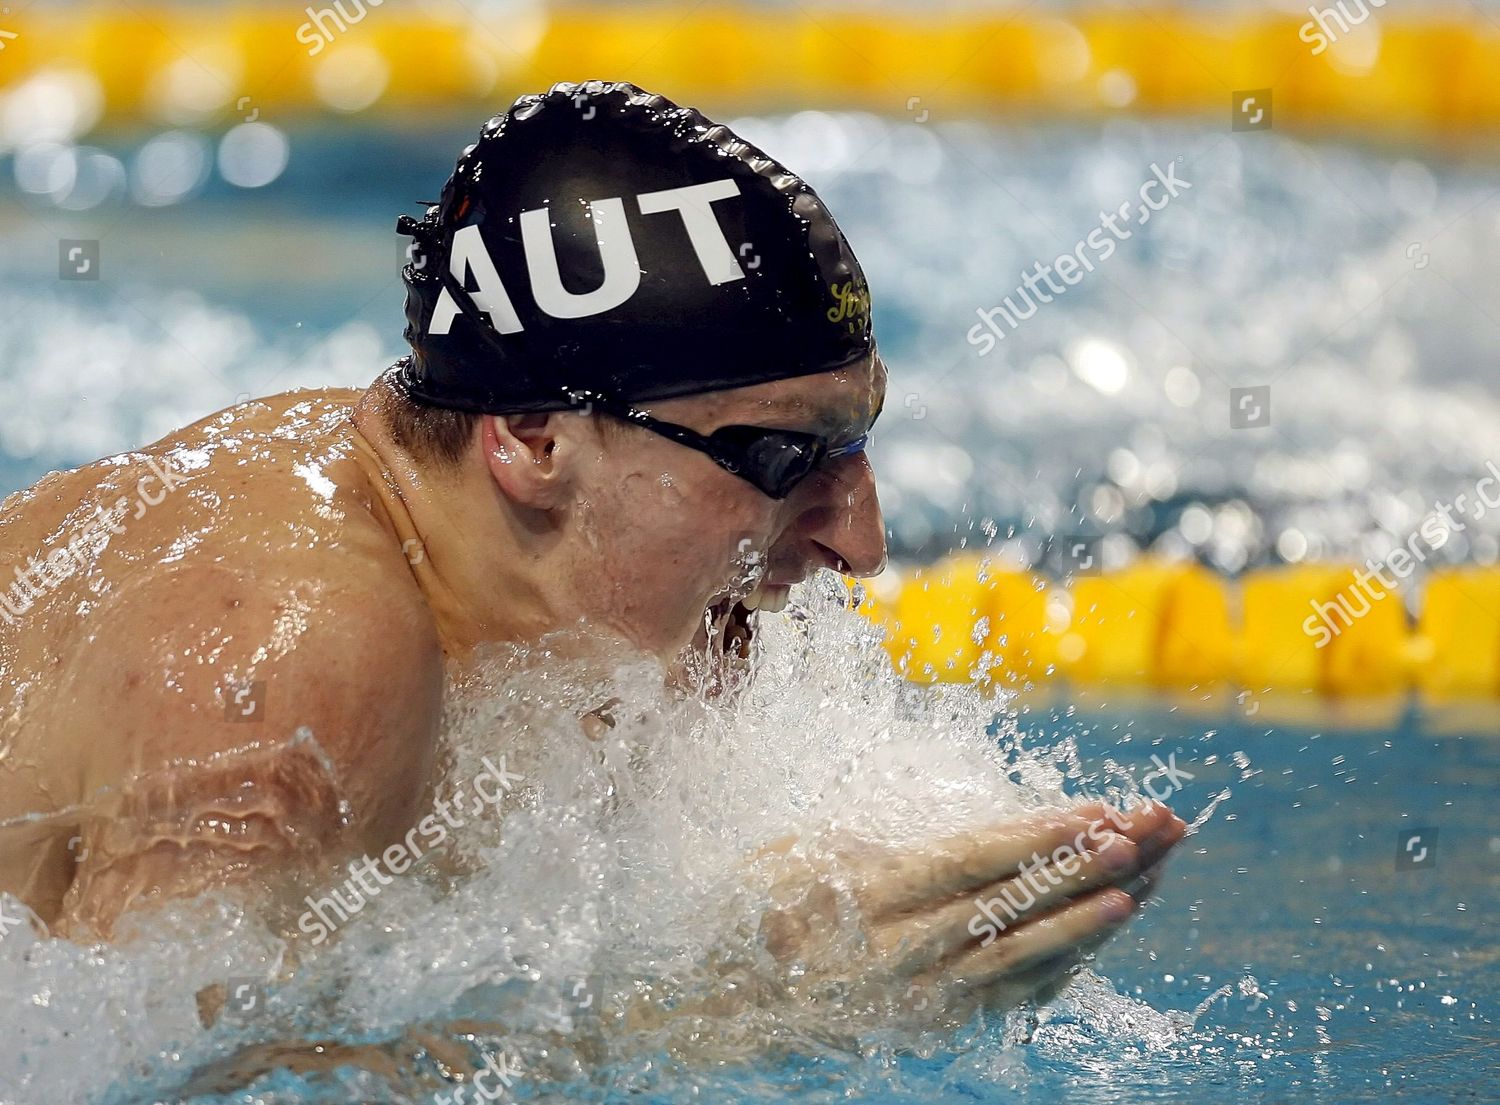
[(661, 535)]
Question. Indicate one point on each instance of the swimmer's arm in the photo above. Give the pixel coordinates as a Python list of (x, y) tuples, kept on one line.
[(188, 789)]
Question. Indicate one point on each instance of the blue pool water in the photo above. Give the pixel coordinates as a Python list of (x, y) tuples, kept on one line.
[(1376, 977)]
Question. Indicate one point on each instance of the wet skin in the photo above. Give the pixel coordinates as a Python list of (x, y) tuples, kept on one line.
[(272, 562), (305, 571)]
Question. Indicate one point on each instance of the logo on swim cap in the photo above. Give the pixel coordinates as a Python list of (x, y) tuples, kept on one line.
[(598, 254), (852, 305)]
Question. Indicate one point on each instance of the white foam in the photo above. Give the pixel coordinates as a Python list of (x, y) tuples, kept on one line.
[(617, 870)]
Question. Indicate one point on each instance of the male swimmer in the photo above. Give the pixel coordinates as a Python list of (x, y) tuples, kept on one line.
[(639, 348)]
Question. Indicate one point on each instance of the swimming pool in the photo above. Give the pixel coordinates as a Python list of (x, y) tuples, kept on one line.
[(1323, 936)]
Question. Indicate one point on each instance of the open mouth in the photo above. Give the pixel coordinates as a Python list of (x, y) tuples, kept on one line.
[(731, 621)]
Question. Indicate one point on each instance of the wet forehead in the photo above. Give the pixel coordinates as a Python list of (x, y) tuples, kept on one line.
[(843, 400)]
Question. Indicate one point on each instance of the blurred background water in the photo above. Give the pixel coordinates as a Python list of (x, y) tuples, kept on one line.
[(1287, 263), (253, 250)]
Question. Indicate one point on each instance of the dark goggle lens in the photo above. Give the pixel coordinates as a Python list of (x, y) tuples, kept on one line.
[(774, 460)]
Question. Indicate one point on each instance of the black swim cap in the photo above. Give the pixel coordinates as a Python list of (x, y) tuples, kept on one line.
[(601, 238)]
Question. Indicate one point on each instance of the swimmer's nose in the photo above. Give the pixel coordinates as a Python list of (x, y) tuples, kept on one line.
[(842, 514)]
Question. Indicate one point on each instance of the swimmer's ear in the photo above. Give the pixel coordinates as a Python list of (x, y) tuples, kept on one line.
[(525, 456)]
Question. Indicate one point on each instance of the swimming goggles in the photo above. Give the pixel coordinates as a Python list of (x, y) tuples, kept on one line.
[(775, 461)]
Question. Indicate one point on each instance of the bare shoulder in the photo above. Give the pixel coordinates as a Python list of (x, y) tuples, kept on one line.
[(243, 718), (230, 660), (244, 645), (243, 556)]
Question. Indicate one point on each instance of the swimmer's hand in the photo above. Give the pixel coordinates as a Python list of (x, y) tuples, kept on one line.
[(993, 917)]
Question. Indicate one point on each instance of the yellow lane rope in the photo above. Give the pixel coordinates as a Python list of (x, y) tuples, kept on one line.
[(164, 63), (1327, 629)]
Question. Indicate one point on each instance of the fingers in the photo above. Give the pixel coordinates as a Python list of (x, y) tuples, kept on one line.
[(1153, 828), (994, 902), (890, 884), (893, 883), (925, 938), (1169, 830), (1142, 822), (1064, 935), (1035, 963), (1040, 983)]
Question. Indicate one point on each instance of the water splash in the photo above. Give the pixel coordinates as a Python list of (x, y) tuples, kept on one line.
[(605, 910)]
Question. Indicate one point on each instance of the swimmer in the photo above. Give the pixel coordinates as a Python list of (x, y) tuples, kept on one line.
[(642, 376)]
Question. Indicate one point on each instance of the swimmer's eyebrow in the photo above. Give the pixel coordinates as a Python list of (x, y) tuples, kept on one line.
[(786, 403), (823, 421)]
